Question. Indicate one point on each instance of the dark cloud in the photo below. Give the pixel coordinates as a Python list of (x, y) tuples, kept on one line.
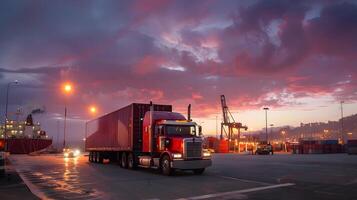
[(116, 52)]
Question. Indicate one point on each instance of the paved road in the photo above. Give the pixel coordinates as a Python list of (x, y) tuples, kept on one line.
[(232, 177), (12, 187)]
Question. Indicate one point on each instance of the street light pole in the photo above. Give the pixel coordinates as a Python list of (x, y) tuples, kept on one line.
[(342, 135), (6, 106), (67, 89), (266, 123), (271, 129), (64, 126)]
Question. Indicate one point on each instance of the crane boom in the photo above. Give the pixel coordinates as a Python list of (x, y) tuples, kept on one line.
[(224, 109)]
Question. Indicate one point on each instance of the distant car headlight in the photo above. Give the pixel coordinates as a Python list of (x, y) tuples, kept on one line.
[(177, 155), (207, 154), (76, 152)]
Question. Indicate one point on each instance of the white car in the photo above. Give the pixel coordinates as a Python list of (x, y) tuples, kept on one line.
[(71, 153)]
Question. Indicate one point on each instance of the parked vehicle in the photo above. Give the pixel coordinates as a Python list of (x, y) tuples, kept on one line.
[(264, 149), (150, 136)]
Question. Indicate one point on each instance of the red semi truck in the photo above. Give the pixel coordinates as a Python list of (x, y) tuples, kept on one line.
[(147, 135)]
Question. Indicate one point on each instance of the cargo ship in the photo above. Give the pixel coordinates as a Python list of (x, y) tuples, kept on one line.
[(23, 137)]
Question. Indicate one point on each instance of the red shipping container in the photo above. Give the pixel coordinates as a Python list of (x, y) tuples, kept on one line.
[(222, 146)]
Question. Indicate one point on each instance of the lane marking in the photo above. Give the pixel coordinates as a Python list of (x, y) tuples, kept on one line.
[(237, 192), (244, 180)]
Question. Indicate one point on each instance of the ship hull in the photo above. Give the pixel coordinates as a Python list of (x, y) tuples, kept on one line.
[(25, 146)]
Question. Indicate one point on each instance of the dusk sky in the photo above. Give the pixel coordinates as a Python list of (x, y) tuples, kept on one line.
[(299, 58)]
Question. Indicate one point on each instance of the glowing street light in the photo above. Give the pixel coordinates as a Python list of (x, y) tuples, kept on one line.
[(93, 109), (67, 87)]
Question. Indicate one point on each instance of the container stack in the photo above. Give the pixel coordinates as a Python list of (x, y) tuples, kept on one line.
[(318, 147), (222, 146)]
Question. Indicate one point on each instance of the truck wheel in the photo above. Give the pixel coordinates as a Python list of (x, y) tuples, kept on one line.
[(131, 161), (124, 161), (199, 171), (165, 166), (94, 157), (100, 157)]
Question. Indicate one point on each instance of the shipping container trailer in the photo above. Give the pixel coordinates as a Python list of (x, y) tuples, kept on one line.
[(147, 135)]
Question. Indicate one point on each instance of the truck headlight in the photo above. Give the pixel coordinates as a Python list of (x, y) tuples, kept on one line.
[(176, 155), (76, 152), (206, 154)]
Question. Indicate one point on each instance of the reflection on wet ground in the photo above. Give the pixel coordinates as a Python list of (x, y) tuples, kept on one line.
[(60, 182)]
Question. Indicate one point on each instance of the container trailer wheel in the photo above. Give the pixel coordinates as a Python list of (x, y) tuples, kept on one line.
[(199, 171), (124, 160), (96, 157), (131, 161), (90, 157), (165, 166)]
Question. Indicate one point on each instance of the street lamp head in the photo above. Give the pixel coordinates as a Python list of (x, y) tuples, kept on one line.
[(67, 87), (93, 109), (266, 108)]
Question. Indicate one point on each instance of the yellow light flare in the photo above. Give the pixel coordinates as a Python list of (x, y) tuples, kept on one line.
[(93, 109), (67, 88)]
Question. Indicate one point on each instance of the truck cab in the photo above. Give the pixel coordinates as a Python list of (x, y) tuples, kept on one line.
[(172, 142)]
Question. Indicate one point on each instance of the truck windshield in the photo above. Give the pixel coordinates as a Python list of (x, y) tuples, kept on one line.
[(180, 130)]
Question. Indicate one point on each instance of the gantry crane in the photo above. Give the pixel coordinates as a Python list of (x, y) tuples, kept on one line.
[(229, 122)]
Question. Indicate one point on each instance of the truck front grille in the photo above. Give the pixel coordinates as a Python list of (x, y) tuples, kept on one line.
[(193, 149)]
